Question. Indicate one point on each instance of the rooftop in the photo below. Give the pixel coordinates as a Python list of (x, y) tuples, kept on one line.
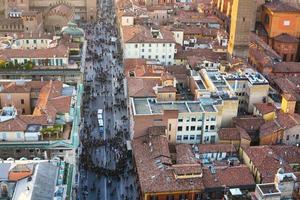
[(267, 161), (148, 106), (278, 6), (142, 34)]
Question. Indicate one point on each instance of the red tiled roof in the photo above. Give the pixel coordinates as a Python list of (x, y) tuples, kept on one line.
[(269, 128), (265, 108), (286, 38), (235, 176), (278, 6), (141, 34), (229, 134), (287, 120), (154, 167), (266, 161), (142, 87)]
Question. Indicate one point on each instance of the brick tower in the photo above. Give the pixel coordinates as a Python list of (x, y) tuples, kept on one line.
[(242, 22)]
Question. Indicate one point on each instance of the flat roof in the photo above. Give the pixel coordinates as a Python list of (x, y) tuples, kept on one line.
[(148, 106)]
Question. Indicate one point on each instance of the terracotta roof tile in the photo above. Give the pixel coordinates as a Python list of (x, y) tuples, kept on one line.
[(266, 161), (157, 174), (235, 176), (278, 6), (286, 38), (265, 108)]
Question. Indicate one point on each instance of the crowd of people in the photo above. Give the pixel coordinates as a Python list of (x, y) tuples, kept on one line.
[(104, 84)]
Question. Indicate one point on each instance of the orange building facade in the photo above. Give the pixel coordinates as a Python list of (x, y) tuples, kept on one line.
[(282, 24)]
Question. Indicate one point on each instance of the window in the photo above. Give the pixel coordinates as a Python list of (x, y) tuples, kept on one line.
[(199, 128), (187, 128), (153, 197), (244, 19), (143, 50), (179, 137), (170, 56), (187, 119), (156, 57), (297, 136), (23, 111), (149, 56), (185, 137), (179, 128), (34, 41), (164, 45), (170, 45), (198, 137), (27, 41), (286, 23), (22, 101), (131, 74), (193, 119), (149, 45), (212, 127), (192, 137), (193, 128), (149, 50), (213, 119), (182, 197), (170, 126), (143, 56), (180, 120), (292, 57), (18, 135), (284, 57), (170, 197), (136, 46), (206, 128), (143, 45), (287, 137), (163, 56), (3, 136), (199, 119)]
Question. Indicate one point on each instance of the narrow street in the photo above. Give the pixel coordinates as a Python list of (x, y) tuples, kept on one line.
[(105, 165)]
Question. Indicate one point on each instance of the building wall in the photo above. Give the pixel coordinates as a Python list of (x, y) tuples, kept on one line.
[(270, 139), (256, 94), (21, 101), (166, 96), (31, 44), (141, 123), (163, 52), (127, 21), (190, 128), (281, 22), (190, 195), (12, 136), (178, 36), (288, 51), (292, 135), (288, 106), (227, 111)]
